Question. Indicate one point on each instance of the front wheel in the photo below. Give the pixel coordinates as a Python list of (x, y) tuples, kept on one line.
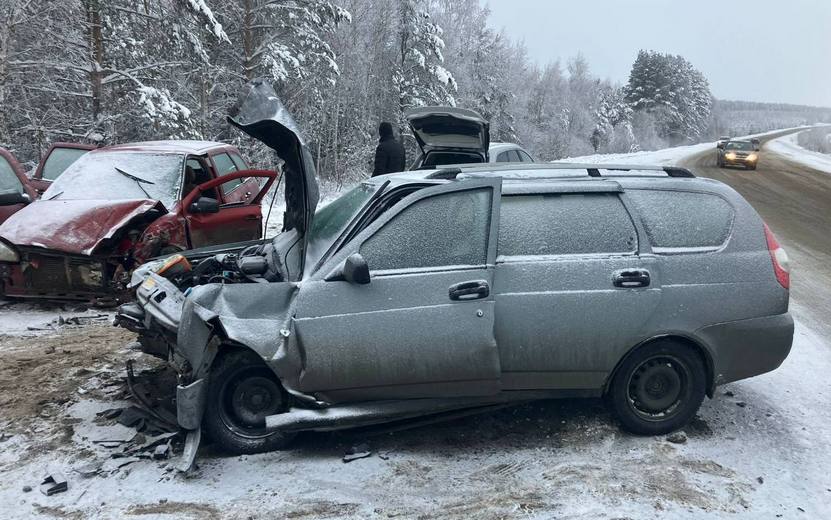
[(658, 388), (242, 393)]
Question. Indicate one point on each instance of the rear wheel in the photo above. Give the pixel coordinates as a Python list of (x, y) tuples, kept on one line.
[(242, 393), (658, 388)]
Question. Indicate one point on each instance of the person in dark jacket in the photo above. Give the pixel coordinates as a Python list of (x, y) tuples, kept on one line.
[(389, 156)]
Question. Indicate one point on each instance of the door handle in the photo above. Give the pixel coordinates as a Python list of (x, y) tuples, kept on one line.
[(252, 217), (631, 278), (474, 290)]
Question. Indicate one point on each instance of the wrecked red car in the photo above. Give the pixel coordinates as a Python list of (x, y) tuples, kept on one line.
[(115, 207)]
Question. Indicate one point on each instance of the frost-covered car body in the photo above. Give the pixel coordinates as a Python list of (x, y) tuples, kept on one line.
[(15, 189), (425, 292), (115, 207), (739, 153)]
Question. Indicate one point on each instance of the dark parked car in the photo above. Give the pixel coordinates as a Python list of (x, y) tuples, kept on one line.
[(738, 153), (421, 293), (115, 207)]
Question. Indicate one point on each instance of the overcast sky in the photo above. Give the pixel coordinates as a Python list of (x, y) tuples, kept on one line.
[(754, 50)]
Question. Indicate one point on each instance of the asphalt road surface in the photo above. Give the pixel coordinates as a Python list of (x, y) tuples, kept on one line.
[(795, 201)]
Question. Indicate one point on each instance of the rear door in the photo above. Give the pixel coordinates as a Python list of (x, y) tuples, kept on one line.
[(423, 326), (58, 158), (573, 292)]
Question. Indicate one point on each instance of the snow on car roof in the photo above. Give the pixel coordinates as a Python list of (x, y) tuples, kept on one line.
[(169, 146)]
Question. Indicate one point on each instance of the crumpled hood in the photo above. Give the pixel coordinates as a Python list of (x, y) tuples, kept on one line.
[(72, 226)]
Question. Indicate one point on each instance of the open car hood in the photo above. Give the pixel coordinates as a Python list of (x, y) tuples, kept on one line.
[(449, 128), (73, 226), (260, 114)]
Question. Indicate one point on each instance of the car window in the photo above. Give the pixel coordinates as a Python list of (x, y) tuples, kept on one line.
[(524, 157), (225, 166), (59, 160), (682, 219), (8, 179), (565, 224), (239, 162), (513, 156), (444, 230), (739, 145), (503, 157)]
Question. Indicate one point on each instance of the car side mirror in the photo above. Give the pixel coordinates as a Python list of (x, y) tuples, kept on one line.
[(720, 146), (205, 205), (354, 270), (12, 197)]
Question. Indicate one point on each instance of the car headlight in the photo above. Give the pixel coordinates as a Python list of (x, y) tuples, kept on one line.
[(730, 155), (751, 157), (8, 253)]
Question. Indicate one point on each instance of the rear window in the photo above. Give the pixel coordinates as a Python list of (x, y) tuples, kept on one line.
[(682, 219), (565, 224)]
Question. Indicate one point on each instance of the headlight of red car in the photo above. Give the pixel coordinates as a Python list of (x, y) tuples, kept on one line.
[(8, 253)]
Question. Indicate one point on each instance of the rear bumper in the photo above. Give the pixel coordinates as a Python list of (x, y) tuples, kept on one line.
[(747, 348)]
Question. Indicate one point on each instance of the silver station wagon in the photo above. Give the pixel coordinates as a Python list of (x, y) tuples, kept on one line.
[(434, 291)]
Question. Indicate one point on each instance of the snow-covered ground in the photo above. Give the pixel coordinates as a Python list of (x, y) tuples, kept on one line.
[(788, 146)]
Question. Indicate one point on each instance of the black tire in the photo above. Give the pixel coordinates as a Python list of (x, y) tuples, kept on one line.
[(752, 167), (242, 392), (658, 388)]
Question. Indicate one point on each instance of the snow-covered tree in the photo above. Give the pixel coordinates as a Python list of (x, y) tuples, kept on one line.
[(419, 76), (673, 91)]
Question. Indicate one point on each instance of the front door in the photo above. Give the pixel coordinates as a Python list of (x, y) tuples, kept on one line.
[(234, 222), (423, 326)]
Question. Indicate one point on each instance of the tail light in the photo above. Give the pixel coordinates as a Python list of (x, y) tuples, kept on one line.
[(781, 265)]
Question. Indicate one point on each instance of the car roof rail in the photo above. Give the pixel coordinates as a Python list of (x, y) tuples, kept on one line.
[(592, 170), (445, 173)]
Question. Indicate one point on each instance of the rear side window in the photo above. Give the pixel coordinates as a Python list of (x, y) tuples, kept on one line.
[(444, 230), (682, 219), (59, 160), (524, 157), (565, 224), (503, 157)]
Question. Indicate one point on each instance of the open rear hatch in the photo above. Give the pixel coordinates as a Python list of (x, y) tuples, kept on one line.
[(449, 135)]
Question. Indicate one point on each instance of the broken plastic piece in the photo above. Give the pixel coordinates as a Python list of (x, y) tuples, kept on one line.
[(54, 483)]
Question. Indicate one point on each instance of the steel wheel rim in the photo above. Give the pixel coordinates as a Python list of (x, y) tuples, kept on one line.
[(658, 387), (246, 398)]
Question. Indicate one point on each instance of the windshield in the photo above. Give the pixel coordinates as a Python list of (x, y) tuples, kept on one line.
[(739, 145), (120, 176), (330, 220)]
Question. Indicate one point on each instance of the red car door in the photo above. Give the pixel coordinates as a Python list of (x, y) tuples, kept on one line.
[(12, 179), (222, 222), (58, 158)]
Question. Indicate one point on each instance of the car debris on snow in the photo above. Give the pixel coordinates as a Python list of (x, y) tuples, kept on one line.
[(54, 483), (361, 451), (678, 437)]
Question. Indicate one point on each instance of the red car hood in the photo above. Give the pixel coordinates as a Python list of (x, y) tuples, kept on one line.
[(72, 226)]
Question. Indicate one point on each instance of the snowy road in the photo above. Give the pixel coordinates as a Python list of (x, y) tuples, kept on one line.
[(760, 449)]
